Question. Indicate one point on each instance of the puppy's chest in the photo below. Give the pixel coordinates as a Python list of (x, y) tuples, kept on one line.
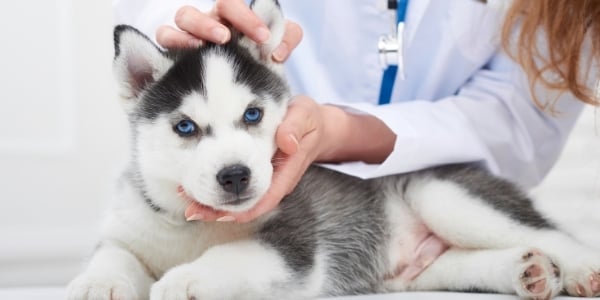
[(161, 246)]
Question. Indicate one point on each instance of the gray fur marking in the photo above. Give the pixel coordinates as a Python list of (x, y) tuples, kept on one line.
[(132, 175), (321, 213)]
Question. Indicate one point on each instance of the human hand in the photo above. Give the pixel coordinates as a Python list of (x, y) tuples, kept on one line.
[(305, 135), (195, 26)]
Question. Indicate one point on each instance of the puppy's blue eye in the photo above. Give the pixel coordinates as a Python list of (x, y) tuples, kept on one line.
[(185, 128), (252, 115)]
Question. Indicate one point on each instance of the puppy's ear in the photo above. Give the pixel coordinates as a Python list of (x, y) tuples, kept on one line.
[(270, 13), (138, 61)]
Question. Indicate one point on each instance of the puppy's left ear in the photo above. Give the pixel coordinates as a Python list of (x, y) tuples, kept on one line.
[(138, 62), (270, 13)]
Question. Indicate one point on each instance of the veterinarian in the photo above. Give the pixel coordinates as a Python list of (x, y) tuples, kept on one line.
[(457, 95)]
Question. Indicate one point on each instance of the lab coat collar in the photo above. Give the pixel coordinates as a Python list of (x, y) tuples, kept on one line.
[(416, 12)]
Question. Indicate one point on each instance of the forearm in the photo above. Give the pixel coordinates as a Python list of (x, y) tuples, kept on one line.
[(355, 137)]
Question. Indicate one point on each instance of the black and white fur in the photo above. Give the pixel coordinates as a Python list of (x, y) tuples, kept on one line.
[(333, 235)]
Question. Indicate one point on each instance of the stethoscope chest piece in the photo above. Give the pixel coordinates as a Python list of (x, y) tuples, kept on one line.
[(391, 51), (391, 46), (388, 50)]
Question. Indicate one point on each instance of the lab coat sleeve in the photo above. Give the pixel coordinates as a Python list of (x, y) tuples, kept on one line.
[(148, 15), (492, 120)]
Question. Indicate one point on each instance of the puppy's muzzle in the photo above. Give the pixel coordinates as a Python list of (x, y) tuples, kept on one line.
[(234, 179)]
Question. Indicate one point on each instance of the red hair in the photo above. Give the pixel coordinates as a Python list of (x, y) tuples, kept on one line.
[(565, 24)]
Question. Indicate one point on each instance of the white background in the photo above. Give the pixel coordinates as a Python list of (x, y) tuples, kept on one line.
[(63, 141), (61, 138)]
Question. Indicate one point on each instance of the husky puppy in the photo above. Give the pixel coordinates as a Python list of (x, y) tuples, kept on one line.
[(203, 123)]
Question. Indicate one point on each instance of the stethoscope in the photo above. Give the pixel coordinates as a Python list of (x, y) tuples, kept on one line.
[(391, 51)]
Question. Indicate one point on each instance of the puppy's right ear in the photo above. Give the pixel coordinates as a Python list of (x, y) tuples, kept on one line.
[(138, 61)]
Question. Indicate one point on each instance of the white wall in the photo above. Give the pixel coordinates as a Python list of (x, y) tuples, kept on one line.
[(571, 192), (62, 142)]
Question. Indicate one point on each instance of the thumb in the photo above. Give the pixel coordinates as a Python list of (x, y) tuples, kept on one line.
[(298, 121), (287, 140)]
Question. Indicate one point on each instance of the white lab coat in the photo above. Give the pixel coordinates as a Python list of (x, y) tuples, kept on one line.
[(463, 100)]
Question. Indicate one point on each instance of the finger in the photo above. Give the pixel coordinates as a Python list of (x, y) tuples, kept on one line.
[(266, 204), (198, 212), (291, 39), (201, 25), (170, 37), (241, 17), (287, 174), (298, 121)]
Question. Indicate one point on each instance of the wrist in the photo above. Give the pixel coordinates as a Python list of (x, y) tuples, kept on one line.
[(335, 132), (351, 136)]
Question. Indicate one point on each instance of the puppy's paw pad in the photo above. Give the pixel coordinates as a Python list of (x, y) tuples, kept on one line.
[(539, 277), (584, 284), (94, 287)]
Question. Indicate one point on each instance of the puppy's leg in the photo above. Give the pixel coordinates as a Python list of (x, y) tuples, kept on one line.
[(463, 219), (467, 220), (240, 270), (113, 273), (527, 272)]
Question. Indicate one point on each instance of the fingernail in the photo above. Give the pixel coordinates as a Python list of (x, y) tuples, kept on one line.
[(281, 52), (262, 34), (195, 217), (219, 34), (295, 140), (226, 219), (193, 43), (181, 194)]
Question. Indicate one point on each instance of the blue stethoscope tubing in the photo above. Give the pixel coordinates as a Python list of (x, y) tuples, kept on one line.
[(391, 71)]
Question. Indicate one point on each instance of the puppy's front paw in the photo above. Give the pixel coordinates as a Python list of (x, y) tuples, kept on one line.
[(538, 277), (583, 279), (101, 287), (184, 283)]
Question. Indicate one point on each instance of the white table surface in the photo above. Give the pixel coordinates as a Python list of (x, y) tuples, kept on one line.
[(58, 293)]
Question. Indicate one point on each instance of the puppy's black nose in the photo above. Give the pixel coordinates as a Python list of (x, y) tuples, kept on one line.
[(234, 179)]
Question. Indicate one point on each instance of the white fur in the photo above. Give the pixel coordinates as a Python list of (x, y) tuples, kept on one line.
[(113, 273), (440, 204), (225, 272)]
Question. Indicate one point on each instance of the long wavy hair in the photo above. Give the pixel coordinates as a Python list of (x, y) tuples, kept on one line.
[(565, 25)]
